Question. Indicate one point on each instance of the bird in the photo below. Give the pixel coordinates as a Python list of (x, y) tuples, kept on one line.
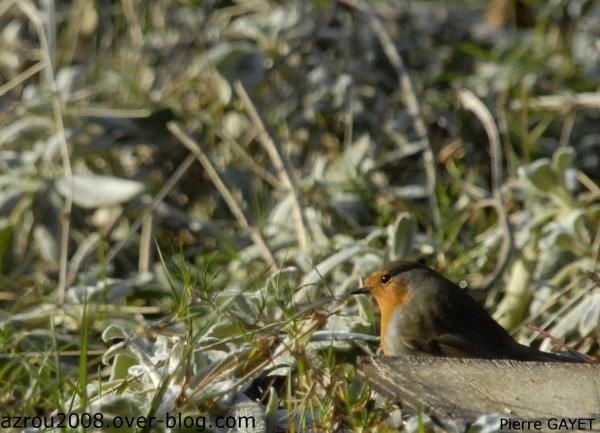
[(425, 314)]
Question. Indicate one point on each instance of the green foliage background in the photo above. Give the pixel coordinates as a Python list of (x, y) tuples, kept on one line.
[(133, 282)]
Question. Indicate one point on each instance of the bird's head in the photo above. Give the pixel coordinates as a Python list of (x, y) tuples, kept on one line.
[(391, 285)]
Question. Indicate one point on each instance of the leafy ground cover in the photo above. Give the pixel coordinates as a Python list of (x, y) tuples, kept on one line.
[(189, 189)]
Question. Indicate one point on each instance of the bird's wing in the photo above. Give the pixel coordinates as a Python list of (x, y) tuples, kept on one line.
[(450, 345), (456, 345)]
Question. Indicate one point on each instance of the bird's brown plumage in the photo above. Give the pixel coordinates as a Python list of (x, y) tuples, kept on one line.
[(423, 313)]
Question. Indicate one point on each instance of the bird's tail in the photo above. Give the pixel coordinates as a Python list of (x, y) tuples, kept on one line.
[(525, 353)]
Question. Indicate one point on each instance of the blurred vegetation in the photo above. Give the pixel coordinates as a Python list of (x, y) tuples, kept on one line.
[(188, 189)]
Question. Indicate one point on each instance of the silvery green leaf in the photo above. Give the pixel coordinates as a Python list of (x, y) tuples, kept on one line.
[(340, 89), (243, 309), (272, 402), (541, 292), (86, 247), (315, 223), (207, 363), (518, 292), (409, 192), (487, 423), (114, 404), (356, 153), (223, 88), (411, 425), (142, 352), (66, 81), (245, 409), (318, 168), (401, 236), (115, 350), (119, 369), (339, 324), (92, 191), (589, 319), (50, 147), (46, 242), (244, 63), (39, 340), (566, 324), (322, 269), (367, 263), (167, 348), (216, 388), (9, 200), (375, 235), (169, 399), (114, 331), (568, 232), (235, 124), (204, 358), (338, 340), (558, 238), (351, 205), (22, 126), (37, 316), (11, 37), (272, 284), (562, 159), (542, 175), (405, 149), (108, 290), (281, 18), (353, 160), (279, 218), (6, 237)]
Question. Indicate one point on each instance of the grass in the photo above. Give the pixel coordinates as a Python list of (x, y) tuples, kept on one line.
[(329, 140)]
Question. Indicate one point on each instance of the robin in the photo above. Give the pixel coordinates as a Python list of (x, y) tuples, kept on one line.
[(423, 313)]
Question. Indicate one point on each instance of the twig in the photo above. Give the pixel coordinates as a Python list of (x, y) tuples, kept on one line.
[(559, 102), (595, 278), (169, 184), (236, 210), (283, 172), (5, 5), (145, 254), (412, 104), (34, 16), (567, 129), (588, 183), (596, 249), (549, 302), (328, 335), (137, 113), (133, 23), (252, 165), (556, 342), (474, 104), (27, 73), (573, 301)]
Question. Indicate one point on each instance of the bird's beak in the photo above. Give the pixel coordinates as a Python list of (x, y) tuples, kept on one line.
[(359, 291)]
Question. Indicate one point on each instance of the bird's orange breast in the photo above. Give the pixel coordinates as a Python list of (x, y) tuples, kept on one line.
[(388, 300)]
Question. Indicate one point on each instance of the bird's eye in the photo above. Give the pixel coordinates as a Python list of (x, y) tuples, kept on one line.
[(385, 278)]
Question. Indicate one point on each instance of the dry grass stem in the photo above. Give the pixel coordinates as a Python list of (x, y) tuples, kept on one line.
[(18, 79), (236, 210), (283, 172), (169, 184), (559, 102), (414, 110), (145, 255), (248, 161), (472, 103), (36, 19)]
